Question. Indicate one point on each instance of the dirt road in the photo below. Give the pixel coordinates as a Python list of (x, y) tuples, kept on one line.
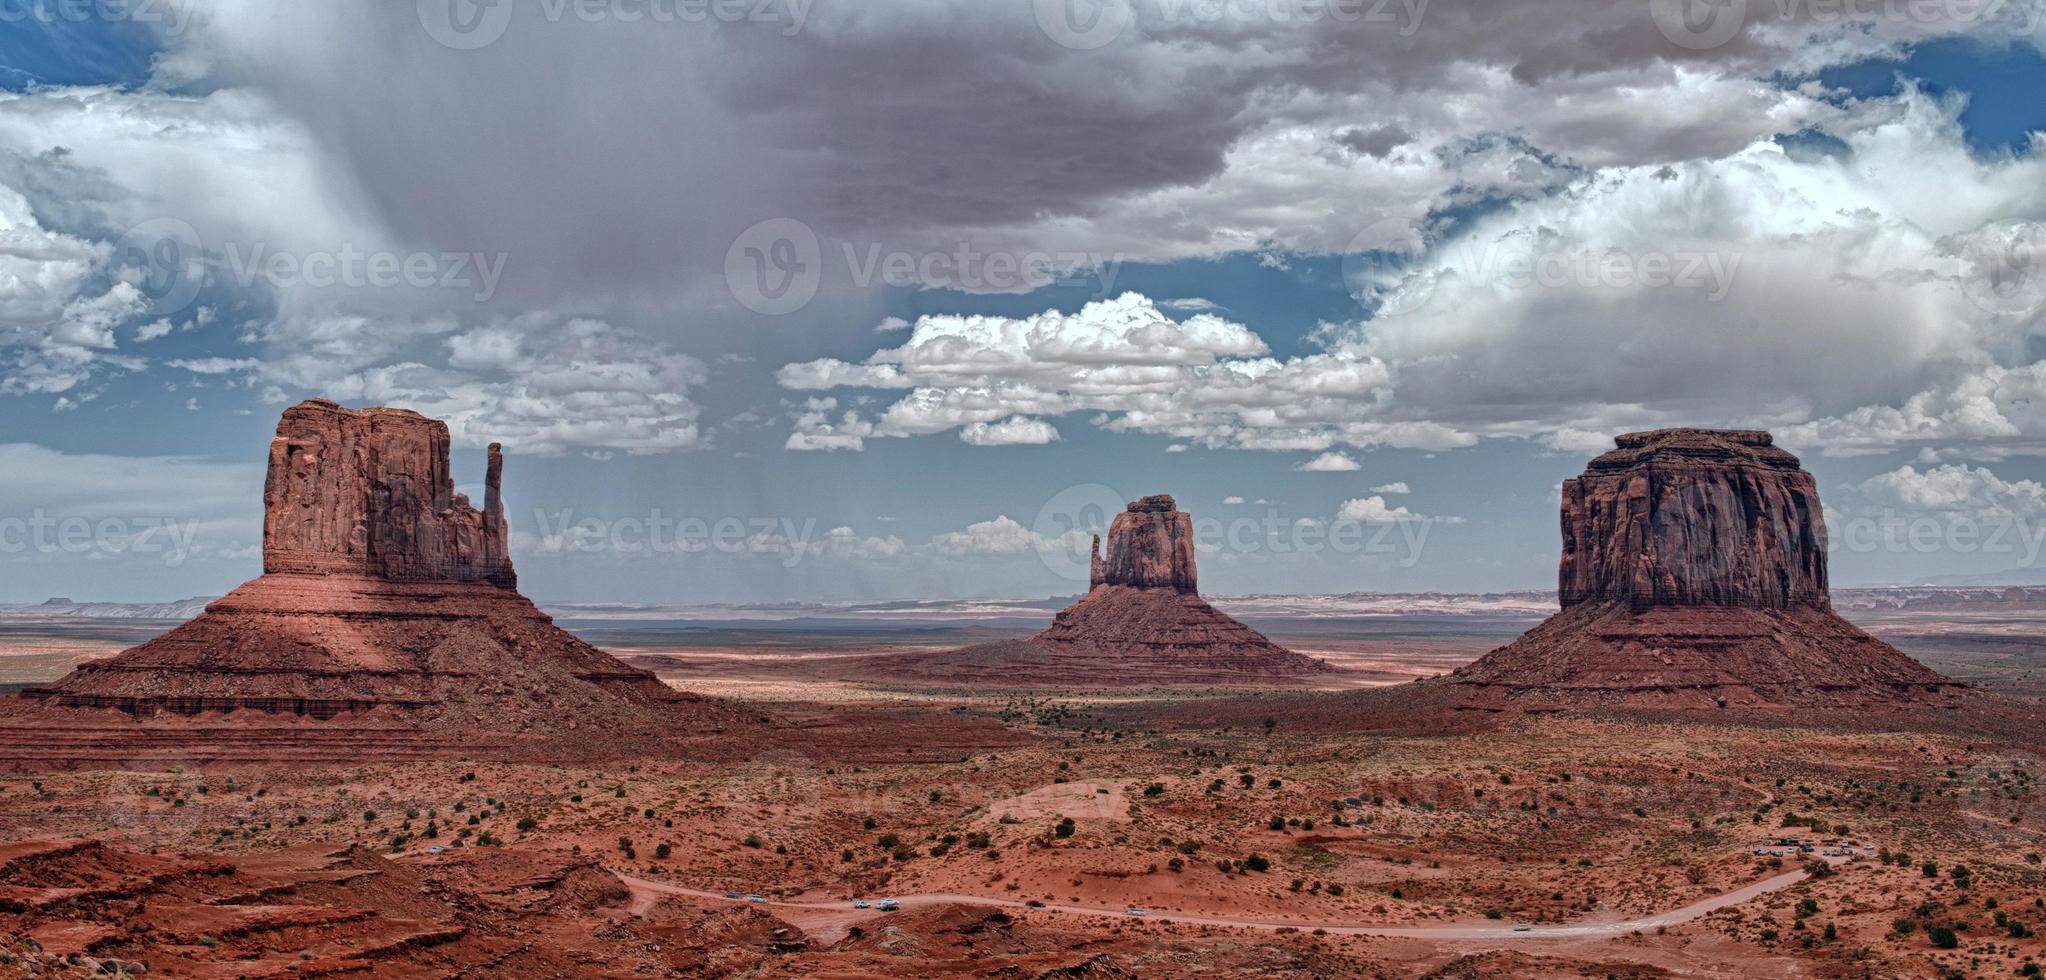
[(645, 893)]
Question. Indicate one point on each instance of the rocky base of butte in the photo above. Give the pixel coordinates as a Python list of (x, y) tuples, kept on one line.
[(386, 624), (1141, 623), (1694, 576)]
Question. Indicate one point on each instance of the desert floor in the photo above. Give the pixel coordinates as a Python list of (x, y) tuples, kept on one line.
[(1255, 844)]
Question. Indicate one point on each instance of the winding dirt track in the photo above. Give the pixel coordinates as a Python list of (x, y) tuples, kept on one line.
[(645, 893)]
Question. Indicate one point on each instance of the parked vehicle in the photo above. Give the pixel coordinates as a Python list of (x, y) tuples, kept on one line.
[(1035, 903), (1523, 927), (861, 903), (757, 899), (1133, 910), (888, 905)]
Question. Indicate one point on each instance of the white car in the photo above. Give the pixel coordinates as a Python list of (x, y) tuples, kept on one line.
[(1133, 910), (861, 903), (1523, 927), (757, 899), (888, 905)]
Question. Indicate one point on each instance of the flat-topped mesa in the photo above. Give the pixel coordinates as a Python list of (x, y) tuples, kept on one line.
[(1694, 517), (369, 492), (1150, 546), (1694, 577)]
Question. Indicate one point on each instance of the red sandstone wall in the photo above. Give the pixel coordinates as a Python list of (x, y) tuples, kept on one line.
[(1694, 517), (1150, 545), (369, 492)]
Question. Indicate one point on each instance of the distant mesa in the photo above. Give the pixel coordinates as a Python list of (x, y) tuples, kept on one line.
[(1142, 622), (387, 611), (1694, 575)]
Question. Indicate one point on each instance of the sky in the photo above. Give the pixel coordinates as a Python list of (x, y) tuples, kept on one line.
[(809, 301)]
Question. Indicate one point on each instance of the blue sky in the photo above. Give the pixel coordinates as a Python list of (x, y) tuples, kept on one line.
[(1292, 286)]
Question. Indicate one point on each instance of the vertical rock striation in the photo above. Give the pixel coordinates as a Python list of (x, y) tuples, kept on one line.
[(369, 492), (1694, 517), (1694, 575), (1150, 546), (387, 611)]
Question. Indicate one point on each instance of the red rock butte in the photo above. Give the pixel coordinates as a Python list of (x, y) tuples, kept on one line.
[(1694, 575), (386, 624), (1142, 622)]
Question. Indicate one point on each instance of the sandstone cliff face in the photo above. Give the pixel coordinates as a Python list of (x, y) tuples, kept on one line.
[(386, 624), (1694, 576), (369, 492), (1150, 546), (1694, 517)]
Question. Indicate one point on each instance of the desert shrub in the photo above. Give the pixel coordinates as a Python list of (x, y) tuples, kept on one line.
[(528, 823), (1065, 828), (1903, 925), (1176, 864), (1155, 789), (1943, 937), (1278, 823), (887, 842), (1257, 862)]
